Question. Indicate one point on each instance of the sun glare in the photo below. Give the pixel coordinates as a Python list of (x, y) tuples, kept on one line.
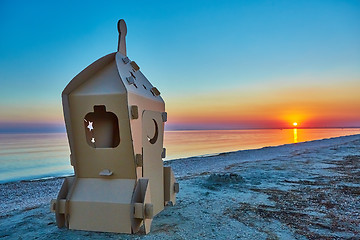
[(295, 124), (295, 135)]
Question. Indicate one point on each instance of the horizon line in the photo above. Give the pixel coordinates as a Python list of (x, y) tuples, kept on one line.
[(40, 131)]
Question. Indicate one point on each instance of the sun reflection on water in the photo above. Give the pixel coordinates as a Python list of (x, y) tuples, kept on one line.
[(295, 135)]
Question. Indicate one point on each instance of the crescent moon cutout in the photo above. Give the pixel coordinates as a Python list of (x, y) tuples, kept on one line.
[(154, 139)]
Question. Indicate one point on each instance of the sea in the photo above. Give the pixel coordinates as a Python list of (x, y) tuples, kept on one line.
[(46, 155)]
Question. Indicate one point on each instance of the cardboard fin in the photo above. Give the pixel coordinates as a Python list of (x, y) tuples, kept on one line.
[(59, 205), (171, 187), (143, 208)]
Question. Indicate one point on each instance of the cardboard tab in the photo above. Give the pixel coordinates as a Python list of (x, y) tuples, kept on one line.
[(130, 80), (163, 154), (149, 211), (164, 116), (176, 187), (139, 160), (126, 60), (58, 205), (139, 211), (134, 66), (105, 172), (155, 91), (134, 112), (72, 162)]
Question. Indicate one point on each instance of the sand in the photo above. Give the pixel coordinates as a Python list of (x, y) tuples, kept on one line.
[(307, 190)]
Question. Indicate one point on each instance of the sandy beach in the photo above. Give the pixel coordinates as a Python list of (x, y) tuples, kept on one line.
[(307, 190)]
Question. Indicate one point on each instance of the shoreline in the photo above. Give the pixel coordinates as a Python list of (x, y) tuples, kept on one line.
[(186, 158), (305, 190), (36, 156)]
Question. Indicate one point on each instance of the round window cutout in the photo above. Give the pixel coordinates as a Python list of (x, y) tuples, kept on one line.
[(154, 133)]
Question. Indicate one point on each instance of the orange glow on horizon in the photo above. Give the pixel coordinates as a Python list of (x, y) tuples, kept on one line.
[(333, 105), (251, 106)]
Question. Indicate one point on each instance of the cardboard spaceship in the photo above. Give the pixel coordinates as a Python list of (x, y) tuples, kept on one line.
[(115, 126)]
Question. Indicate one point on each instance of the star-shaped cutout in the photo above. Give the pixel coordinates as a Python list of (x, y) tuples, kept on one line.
[(90, 126)]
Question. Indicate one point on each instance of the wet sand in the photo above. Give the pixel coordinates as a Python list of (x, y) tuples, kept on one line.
[(307, 190)]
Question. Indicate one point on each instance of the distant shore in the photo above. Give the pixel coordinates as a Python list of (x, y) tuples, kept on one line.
[(308, 190)]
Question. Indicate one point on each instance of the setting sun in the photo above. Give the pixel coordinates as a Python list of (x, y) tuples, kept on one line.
[(295, 124)]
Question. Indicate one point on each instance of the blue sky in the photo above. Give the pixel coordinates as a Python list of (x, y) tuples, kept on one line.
[(186, 48)]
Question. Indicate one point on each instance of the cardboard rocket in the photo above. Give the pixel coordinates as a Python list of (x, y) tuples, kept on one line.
[(115, 125)]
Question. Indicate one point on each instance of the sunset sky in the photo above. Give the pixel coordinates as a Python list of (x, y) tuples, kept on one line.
[(218, 64)]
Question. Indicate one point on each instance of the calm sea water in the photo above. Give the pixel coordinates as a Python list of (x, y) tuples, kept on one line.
[(32, 156)]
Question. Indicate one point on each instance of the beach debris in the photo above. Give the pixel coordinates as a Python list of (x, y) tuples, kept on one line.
[(216, 180), (120, 182), (225, 178)]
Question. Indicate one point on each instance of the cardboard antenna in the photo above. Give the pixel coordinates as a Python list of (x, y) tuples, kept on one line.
[(122, 33)]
